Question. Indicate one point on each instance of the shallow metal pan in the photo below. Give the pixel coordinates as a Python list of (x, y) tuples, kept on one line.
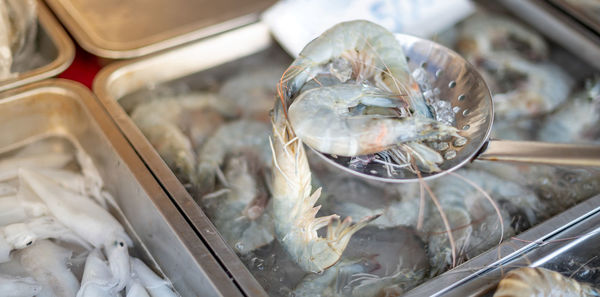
[(53, 44), (163, 235), (118, 29), (120, 79), (187, 63)]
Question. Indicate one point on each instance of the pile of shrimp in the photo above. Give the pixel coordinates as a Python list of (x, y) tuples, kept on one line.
[(57, 237), (306, 229), (18, 28)]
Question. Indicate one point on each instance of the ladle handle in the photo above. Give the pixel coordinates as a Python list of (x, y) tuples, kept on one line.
[(533, 152)]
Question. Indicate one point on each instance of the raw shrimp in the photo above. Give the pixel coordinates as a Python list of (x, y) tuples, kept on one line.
[(470, 214), (238, 210), (97, 277), (165, 121), (170, 142), (22, 235), (328, 119), (484, 35), (345, 195), (233, 136), (14, 286), (156, 286), (577, 120), (522, 88), (376, 262), (253, 92), (361, 48), (47, 263), (537, 281), (293, 205), (86, 219)]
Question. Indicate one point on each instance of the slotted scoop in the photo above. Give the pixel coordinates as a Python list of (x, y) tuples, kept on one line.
[(463, 87)]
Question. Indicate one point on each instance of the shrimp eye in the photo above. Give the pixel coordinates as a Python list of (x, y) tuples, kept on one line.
[(29, 243)]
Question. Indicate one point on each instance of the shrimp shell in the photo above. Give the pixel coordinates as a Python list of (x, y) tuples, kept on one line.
[(537, 281), (293, 205)]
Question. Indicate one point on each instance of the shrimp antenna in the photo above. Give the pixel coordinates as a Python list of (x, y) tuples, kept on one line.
[(442, 215), (488, 197)]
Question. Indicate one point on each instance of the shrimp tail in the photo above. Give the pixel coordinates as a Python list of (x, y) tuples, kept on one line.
[(294, 212)]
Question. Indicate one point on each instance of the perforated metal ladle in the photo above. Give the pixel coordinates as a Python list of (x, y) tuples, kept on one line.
[(463, 87)]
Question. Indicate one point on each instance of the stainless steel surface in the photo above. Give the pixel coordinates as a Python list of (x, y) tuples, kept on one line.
[(581, 13), (531, 152), (120, 79), (125, 29), (67, 108), (543, 245), (53, 45), (559, 27)]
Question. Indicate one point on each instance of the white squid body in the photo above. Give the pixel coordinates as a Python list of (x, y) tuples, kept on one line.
[(87, 219), (11, 286), (156, 286), (9, 168), (46, 262), (135, 289), (11, 211), (97, 278), (22, 235)]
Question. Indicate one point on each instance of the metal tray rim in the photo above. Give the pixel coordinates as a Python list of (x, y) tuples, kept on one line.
[(98, 46), (64, 48)]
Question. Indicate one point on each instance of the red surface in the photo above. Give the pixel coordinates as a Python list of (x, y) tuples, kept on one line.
[(83, 69)]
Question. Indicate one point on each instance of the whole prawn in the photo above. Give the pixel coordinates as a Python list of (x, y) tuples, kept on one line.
[(361, 48), (537, 281), (368, 99), (293, 205)]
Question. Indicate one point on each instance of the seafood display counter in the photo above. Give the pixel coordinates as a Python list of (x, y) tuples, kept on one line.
[(51, 52), (201, 125), (62, 116)]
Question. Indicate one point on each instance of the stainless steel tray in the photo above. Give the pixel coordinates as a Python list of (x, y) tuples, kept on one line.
[(559, 27), (121, 79), (164, 236), (118, 29), (53, 44), (572, 235)]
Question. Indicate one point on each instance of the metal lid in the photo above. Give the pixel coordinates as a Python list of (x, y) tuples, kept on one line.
[(126, 29)]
